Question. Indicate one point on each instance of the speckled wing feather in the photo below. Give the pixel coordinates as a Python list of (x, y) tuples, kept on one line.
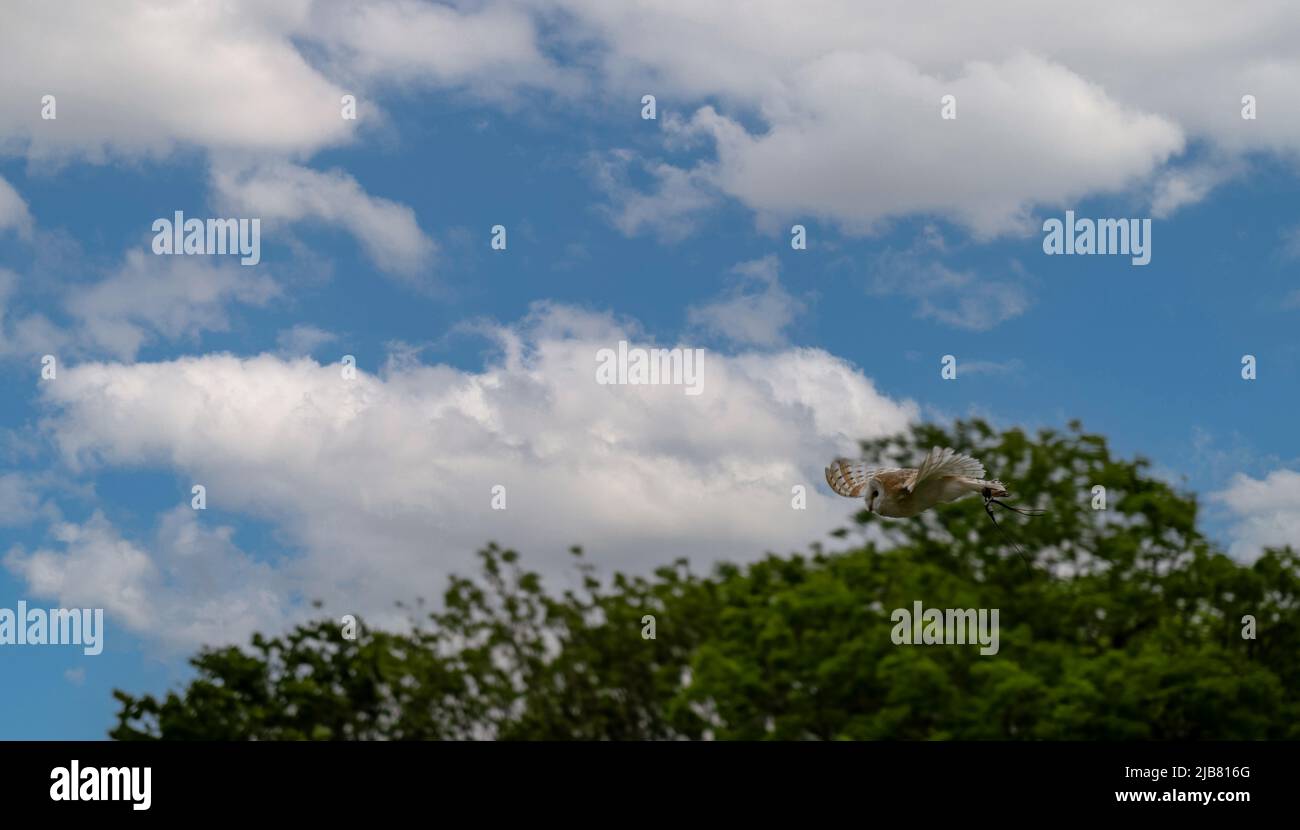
[(945, 462), (848, 478)]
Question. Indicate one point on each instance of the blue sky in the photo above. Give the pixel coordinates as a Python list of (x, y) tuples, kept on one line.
[(475, 364)]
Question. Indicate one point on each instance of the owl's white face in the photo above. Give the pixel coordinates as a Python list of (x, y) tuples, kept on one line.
[(874, 493)]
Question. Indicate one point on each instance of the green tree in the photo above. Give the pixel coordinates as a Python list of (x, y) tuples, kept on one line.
[(1127, 625)]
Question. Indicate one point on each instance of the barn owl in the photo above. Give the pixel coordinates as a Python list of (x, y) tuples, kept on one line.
[(945, 475)]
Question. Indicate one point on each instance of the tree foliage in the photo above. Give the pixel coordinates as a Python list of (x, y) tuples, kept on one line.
[(1127, 625)]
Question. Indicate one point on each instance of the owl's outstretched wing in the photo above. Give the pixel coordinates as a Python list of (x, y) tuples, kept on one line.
[(944, 462), (848, 478)]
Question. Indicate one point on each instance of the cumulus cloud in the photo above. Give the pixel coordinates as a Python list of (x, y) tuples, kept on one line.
[(257, 82), (143, 78), (1266, 512), (146, 299), (383, 483), (302, 339), (671, 209), (754, 311), (20, 500), (1031, 132), (25, 334), (162, 296), (13, 210), (962, 299), (491, 48), (1176, 188), (282, 192), (833, 109), (188, 585), (244, 76)]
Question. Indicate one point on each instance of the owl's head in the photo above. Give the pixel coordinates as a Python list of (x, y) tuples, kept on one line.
[(875, 491)]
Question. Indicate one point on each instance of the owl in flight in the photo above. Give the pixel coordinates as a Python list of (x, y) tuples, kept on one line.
[(945, 475)]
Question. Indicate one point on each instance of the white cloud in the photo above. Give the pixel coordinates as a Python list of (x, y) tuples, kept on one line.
[(1031, 132), (672, 210), (13, 210), (753, 311), (26, 335), (1176, 188), (830, 110), (302, 339), (189, 585), (489, 47), (281, 192), (143, 78), (145, 299), (1266, 512), (253, 85), (170, 296), (962, 299), (840, 100), (383, 484), (20, 500)]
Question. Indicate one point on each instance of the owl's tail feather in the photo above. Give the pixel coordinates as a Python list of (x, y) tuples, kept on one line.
[(993, 489)]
